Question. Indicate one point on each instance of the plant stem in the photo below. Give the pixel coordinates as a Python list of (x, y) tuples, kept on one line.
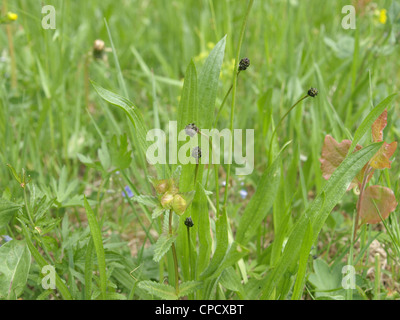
[(223, 101), (234, 83), (363, 185), (174, 255), (279, 123)]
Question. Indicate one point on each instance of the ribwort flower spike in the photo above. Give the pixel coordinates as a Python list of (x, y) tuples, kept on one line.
[(191, 129), (196, 153), (189, 222), (312, 92), (244, 64)]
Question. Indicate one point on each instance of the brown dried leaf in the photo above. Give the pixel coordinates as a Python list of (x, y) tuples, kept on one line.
[(378, 126), (333, 154), (376, 197), (381, 159)]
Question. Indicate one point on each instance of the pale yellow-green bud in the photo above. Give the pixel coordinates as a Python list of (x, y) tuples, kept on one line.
[(179, 204)]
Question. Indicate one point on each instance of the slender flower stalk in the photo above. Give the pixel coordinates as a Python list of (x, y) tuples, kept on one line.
[(311, 93), (174, 255), (235, 74)]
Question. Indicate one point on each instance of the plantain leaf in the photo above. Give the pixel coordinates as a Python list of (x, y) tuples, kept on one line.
[(208, 84), (318, 211), (260, 203), (134, 116)]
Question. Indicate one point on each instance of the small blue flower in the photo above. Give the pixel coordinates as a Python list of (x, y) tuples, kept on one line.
[(128, 192), (6, 238), (243, 193)]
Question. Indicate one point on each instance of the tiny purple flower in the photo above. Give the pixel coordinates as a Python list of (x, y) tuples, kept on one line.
[(128, 192)]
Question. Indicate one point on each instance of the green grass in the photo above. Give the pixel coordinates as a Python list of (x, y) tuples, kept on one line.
[(77, 127)]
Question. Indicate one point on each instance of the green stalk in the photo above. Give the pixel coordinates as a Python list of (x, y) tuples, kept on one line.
[(174, 255), (279, 123), (234, 83)]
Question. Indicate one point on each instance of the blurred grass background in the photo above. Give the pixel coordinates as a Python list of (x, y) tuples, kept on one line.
[(46, 118)]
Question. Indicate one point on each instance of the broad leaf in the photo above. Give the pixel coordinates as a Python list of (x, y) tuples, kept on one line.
[(15, 261), (376, 198), (333, 154), (381, 159), (378, 126)]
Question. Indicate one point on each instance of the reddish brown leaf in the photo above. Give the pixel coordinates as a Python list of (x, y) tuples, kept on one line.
[(376, 197), (378, 126), (381, 159), (333, 154)]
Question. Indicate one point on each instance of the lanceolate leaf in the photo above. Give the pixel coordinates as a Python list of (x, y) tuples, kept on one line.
[(134, 116), (208, 84), (376, 198), (260, 203), (98, 245), (318, 211)]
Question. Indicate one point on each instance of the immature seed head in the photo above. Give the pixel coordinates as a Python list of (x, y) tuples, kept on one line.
[(196, 153), (99, 48), (312, 92), (189, 222), (179, 204), (191, 129), (244, 64), (166, 200)]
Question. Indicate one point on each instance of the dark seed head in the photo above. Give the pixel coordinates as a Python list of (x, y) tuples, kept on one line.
[(244, 64), (191, 129), (196, 153), (312, 92), (189, 222)]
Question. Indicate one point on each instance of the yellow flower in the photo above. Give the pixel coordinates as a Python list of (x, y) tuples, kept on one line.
[(12, 16), (382, 16)]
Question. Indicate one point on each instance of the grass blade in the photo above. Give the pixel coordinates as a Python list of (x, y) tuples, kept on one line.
[(98, 245)]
